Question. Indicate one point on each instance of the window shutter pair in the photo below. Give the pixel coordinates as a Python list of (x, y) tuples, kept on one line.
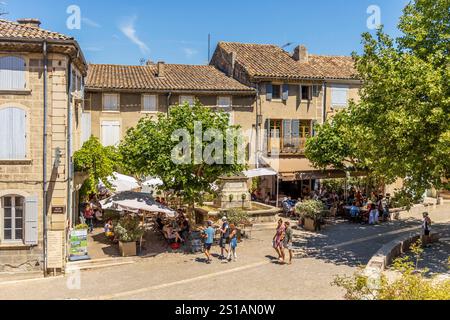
[(31, 221)]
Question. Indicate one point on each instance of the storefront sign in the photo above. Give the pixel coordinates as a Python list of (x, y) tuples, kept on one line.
[(59, 210), (78, 245), (55, 249)]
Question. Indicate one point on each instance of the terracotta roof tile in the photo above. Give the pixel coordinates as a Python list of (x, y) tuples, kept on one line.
[(9, 29), (177, 77), (271, 61)]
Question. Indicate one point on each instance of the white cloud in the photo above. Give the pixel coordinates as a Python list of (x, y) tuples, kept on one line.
[(91, 23), (189, 52), (128, 29)]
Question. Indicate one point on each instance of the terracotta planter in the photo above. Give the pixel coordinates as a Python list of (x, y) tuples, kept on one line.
[(309, 224), (127, 249)]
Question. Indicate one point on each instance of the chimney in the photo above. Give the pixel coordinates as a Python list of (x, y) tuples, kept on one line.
[(301, 54), (161, 69), (233, 63), (29, 22)]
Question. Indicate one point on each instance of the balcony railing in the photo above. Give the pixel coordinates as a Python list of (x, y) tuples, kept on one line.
[(291, 145)]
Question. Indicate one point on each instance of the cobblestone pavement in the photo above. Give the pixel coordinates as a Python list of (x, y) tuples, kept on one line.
[(338, 249)]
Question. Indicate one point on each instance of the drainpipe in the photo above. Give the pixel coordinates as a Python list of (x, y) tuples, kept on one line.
[(169, 95), (44, 158), (257, 127), (324, 86), (69, 213)]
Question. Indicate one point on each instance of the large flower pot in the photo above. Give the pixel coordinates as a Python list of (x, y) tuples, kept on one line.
[(309, 224), (127, 249)]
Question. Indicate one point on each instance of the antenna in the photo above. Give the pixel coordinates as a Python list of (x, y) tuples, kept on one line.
[(142, 61), (287, 45), (209, 47)]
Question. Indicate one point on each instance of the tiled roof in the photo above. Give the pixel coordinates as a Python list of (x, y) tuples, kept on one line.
[(271, 61), (334, 67), (9, 29), (177, 77)]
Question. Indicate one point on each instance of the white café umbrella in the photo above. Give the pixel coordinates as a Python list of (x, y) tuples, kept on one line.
[(260, 172), (135, 201), (121, 182), (153, 182)]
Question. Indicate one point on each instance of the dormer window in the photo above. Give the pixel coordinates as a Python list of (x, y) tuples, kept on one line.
[(12, 73)]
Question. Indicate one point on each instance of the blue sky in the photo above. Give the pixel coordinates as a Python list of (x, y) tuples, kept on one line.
[(176, 31)]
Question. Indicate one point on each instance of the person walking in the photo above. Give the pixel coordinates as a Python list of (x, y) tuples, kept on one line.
[(287, 241), (224, 237), (278, 240), (89, 216), (426, 226), (373, 214), (233, 243), (208, 235)]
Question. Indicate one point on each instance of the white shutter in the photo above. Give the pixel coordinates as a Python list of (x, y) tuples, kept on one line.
[(110, 102), (85, 127), (149, 103), (12, 134), (12, 73), (188, 99), (31, 221), (224, 102), (110, 133), (339, 96)]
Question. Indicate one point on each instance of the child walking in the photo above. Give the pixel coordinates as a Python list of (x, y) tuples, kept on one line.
[(233, 243)]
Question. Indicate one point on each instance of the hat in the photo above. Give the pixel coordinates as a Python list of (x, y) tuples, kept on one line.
[(224, 218)]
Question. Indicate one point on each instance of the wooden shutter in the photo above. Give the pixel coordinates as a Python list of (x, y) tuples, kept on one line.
[(12, 73), (31, 221), (85, 127), (12, 134), (269, 91), (285, 94), (339, 96), (150, 103), (110, 133)]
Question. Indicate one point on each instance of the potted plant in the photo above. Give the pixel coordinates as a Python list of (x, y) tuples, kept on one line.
[(128, 231), (311, 211)]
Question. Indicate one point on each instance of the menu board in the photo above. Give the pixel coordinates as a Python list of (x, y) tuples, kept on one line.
[(55, 249), (78, 244)]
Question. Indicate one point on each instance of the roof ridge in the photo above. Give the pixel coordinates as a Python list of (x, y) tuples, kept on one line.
[(25, 27)]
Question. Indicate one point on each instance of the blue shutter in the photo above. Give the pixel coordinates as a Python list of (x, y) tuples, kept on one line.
[(12, 134), (285, 95), (269, 91), (31, 221)]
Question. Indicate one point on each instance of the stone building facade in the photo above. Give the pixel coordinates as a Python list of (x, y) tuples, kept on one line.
[(41, 73)]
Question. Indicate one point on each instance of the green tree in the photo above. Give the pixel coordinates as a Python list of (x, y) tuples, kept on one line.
[(401, 126), (148, 149), (98, 162)]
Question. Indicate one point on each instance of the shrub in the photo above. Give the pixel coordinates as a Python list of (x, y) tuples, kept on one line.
[(128, 229), (237, 216), (312, 209)]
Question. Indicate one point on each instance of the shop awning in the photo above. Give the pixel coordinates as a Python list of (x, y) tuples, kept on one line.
[(121, 183)]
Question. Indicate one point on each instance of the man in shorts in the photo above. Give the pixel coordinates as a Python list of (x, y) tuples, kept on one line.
[(287, 241), (224, 237), (208, 235)]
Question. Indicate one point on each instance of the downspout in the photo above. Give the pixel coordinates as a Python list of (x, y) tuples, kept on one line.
[(44, 158), (257, 127), (324, 102), (169, 95), (69, 213)]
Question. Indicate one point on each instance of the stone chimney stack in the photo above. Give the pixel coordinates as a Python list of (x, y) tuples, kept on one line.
[(233, 63), (29, 22), (301, 54), (161, 69)]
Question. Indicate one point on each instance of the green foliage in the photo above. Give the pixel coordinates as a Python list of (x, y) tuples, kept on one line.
[(401, 126), (409, 285), (256, 183), (128, 229), (312, 209), (81, 226), (98, 162), (147, 150), (237, 216)]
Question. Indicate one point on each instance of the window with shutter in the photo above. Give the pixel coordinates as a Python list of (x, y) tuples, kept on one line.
[(110, 102), (276, 94), (12, 134), (224, 102), (307, 93), (149, 103), (339, 96), (13, 218), (110, 133), (187, 99), (12, 73)]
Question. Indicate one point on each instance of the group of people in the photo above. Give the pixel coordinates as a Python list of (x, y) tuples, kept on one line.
[(174, 231), (228, 240)]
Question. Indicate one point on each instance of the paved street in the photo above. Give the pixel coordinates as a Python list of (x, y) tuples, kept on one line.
[(338, 249)]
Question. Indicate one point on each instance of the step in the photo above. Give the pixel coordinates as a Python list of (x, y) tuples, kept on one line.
[(99, 263)]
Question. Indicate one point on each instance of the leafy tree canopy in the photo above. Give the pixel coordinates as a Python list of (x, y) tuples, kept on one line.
[(401, 126), (98, 162), (148, 150)]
